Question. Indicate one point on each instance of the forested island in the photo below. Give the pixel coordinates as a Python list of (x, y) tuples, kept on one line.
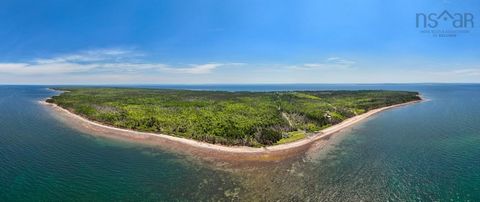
[(230, 118)]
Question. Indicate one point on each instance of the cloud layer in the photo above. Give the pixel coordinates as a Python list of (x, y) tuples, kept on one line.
[(102, 61), (332, 63), (122, 66)]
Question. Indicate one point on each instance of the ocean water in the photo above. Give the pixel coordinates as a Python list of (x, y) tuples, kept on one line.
[(421, 152)]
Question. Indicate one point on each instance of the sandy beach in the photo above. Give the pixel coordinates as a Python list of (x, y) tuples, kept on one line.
[(207, 150)]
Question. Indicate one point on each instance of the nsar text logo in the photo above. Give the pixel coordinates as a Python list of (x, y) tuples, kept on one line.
[(445, 24)]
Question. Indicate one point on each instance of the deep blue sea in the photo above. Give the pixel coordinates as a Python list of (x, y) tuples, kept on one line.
[(428, 151)]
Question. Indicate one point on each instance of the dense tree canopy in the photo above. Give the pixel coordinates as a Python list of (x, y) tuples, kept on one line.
[(233, 118)]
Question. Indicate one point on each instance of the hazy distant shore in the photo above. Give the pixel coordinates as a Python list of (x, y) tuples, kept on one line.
[(208, 150)]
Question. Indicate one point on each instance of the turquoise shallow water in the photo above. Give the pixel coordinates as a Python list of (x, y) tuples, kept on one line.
[(427, 151)]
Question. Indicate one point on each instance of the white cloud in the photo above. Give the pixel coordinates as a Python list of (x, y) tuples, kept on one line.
[(468, 72), (332, 63), (90, 56), (42, 68), (102, 61), (195, 69), (460, 72), (337, 60)]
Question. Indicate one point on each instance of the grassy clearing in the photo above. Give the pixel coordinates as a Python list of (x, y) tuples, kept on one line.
[(292, 137)]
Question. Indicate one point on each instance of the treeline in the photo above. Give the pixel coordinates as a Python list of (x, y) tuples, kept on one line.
[(231, 118)]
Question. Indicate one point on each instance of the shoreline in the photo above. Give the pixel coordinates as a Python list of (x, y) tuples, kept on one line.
[(214, 151)]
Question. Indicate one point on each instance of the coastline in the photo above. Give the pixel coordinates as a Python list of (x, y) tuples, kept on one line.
[(214, 151)]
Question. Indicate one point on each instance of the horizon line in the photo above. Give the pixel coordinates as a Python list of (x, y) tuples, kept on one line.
[(279, 83)]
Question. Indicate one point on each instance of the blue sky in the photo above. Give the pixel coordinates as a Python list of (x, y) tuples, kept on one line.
[(243, 41)]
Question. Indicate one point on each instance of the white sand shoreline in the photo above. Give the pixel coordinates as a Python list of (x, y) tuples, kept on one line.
[(215, 148)]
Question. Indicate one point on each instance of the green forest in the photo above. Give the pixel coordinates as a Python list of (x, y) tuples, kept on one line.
[(231, 118)]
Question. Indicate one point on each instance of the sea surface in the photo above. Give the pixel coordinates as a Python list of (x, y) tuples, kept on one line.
[(428, 151)]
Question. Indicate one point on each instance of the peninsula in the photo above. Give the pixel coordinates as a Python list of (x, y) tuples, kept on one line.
[(226, 119)]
